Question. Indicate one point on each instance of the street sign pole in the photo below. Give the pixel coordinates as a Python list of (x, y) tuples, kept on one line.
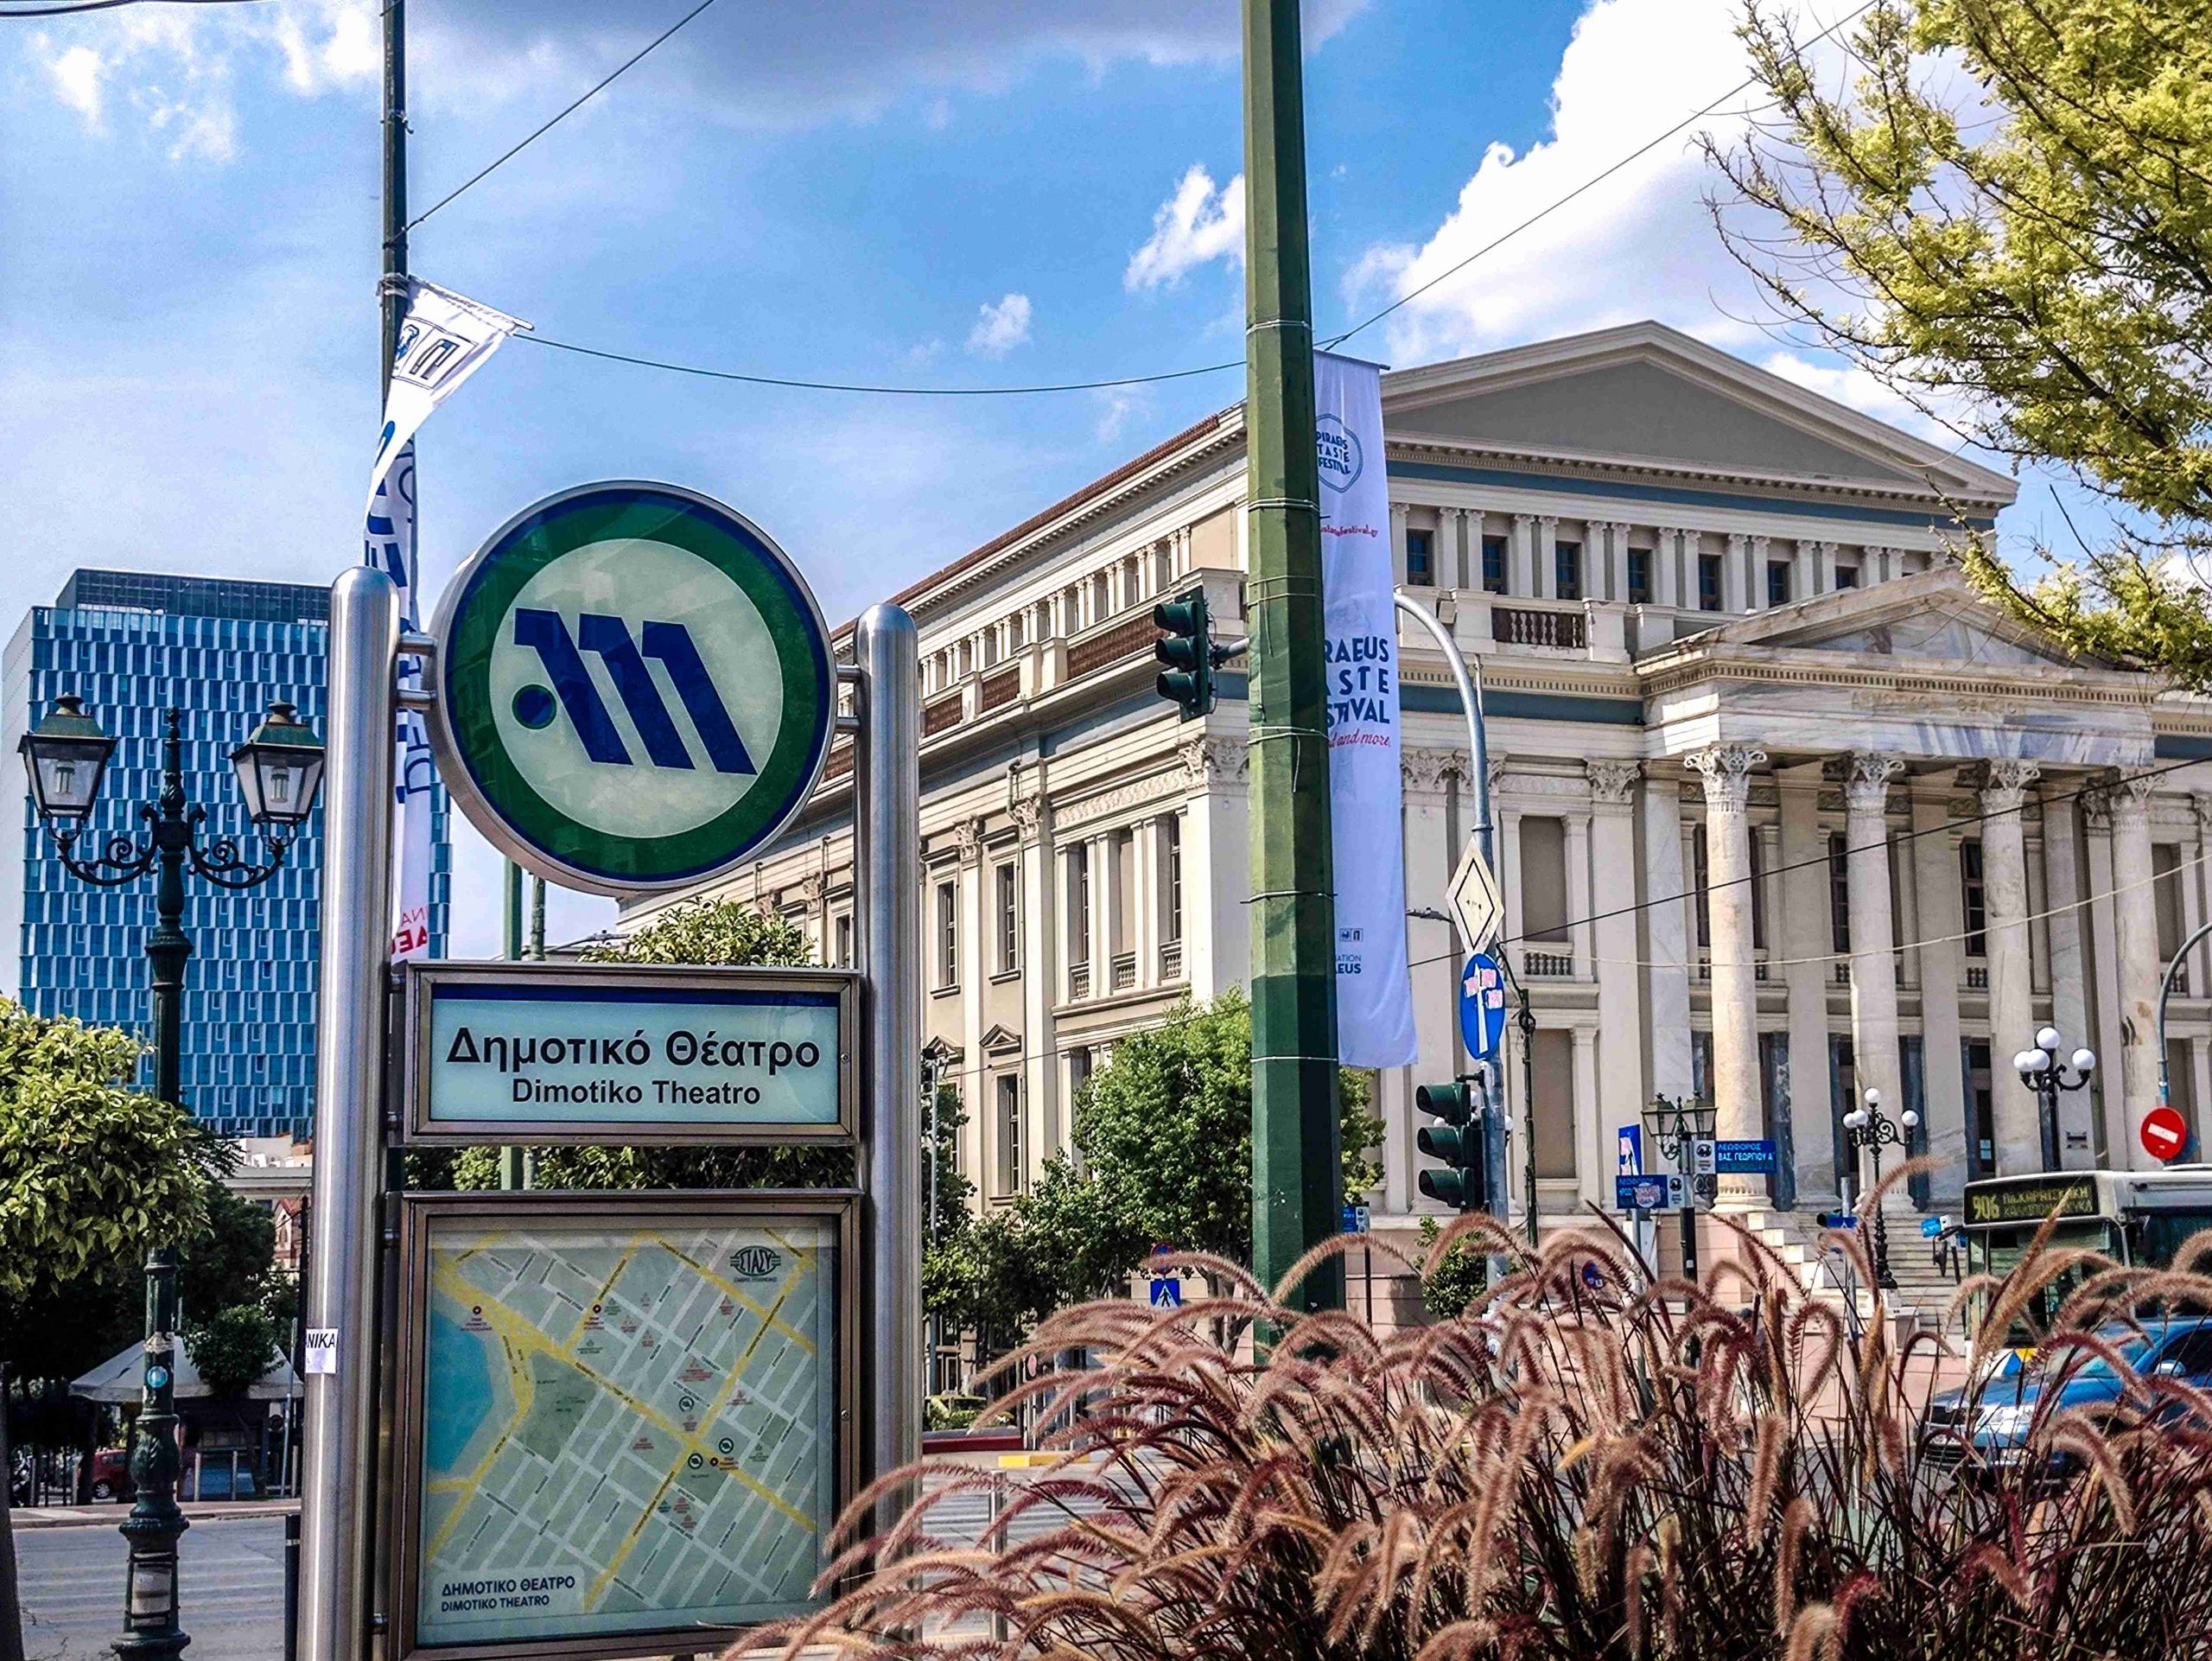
[(1297, 1176), (886, 865), (337, 1513)]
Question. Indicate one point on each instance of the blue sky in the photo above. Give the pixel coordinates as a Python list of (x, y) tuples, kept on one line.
[(953, 191)]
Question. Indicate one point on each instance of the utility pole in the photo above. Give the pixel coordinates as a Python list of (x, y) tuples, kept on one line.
[(394, 295), (1297, 1179)]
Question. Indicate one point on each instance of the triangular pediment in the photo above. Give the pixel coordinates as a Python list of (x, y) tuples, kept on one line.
[(1935, 615), (998, 1040), (1648, 396)]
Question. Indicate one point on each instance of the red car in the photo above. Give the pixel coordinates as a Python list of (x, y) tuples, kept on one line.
[(111, 1473)]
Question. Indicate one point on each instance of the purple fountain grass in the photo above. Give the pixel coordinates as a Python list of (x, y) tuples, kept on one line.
[(1595, 1463)]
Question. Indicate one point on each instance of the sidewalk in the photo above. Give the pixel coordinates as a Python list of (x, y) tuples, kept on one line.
[(77, 1516)]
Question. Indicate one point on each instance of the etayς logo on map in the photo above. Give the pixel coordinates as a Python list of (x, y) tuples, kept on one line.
[(636, 688)]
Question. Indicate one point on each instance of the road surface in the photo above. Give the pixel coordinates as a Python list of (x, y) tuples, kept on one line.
[(231, 1575)]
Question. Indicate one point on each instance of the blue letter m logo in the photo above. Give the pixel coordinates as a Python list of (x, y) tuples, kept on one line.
[(608, 638)]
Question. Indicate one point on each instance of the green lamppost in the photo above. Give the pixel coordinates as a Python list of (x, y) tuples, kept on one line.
[(279, 769)]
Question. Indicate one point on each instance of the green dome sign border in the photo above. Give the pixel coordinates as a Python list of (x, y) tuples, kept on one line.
[(494, 793)]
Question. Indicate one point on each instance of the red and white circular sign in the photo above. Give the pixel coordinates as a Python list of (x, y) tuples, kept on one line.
[(2163, 1131)]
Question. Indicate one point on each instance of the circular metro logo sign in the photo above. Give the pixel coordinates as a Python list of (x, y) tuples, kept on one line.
[(635, 687)]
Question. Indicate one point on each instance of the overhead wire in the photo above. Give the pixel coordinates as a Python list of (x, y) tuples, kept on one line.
[(65, 8)]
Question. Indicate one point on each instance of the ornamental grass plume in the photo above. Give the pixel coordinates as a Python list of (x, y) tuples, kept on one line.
[(1594, 1465)]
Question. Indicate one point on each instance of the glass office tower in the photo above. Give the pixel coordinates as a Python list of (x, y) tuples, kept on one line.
[(132, 645)]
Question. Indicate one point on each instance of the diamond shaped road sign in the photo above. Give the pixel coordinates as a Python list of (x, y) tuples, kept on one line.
[(1474, 896)]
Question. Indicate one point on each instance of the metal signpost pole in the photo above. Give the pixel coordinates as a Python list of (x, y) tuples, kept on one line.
[(888, 837), (1297, 1182), (336, 1522)]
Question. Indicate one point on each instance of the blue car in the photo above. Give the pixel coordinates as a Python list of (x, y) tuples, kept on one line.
[(1988, 1430)]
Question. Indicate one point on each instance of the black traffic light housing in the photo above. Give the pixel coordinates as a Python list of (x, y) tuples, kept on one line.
[(1186, 650), (1457, 1141)]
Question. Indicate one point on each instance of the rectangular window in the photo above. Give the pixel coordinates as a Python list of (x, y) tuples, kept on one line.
[(1079, 903), (1552, 1112), (1839, 896), (1846, 577), (1078, 1071), (845, 941), (1494, 565), (1009, 913), (1170, 861), (1567, 569), (1708, 582), (1421, 559), (1010, 1171), (948, 935), (1639, 577), (2166, 896), (1777, 582), (1698, 881), (1543, 879), (1974, 916), (1758, 887)]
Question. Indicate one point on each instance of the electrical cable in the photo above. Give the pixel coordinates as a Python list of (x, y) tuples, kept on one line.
[(66, 8), (485, 172)]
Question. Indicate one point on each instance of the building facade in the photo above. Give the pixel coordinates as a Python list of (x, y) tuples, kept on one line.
[(132, 643), (1782, 809)]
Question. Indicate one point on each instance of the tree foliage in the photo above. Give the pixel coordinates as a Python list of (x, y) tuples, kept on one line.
[(2002, 209), (233, 1347), (92, 1172)]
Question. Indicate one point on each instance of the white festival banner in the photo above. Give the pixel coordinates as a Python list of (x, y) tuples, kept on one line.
[(443, 340), (1375, 1013)]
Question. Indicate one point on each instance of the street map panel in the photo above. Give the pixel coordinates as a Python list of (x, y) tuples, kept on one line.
[(625, 1429)]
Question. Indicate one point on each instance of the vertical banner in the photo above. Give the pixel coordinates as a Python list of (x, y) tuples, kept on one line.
[(1374, 1010), (443, 340)]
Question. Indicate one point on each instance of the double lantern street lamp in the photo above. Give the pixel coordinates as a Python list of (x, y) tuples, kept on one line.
[(2042, 1071), (1868, 1127), (279, 770)]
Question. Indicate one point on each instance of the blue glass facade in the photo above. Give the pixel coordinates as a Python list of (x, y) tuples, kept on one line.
[(132, 645)]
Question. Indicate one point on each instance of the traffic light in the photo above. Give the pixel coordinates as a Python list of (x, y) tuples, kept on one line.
[(1458, 1141), (1185, 647)]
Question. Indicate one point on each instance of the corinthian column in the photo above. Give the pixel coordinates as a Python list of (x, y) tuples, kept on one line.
[(2135, 925), (2015, 1116), (1873, 940), (1726, 769)]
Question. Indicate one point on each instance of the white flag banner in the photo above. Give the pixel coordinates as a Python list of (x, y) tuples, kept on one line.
[(1374, 1007), (443, 340)]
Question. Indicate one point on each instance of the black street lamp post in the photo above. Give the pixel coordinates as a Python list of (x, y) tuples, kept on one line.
[(279, 768), (1868, 1127), (1676, 1126), (2042, 1071)]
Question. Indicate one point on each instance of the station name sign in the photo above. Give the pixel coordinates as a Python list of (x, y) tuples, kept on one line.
[(538, 1053)]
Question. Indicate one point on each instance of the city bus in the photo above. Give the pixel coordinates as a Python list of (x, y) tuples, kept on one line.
[(2137, 1217)]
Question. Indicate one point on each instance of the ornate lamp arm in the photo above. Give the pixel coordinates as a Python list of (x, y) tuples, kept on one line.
[(222, 864), (120, 860)]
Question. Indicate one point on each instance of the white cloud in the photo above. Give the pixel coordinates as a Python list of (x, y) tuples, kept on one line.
[(77, 75), (1640, 243), (1195, 225), (1000, 326)]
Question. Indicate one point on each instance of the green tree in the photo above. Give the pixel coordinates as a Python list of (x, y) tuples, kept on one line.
[(1456, 1281), (2005, 215), (92, 1173), (233, 1347)]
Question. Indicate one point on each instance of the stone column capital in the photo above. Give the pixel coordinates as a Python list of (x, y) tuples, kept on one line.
[(1726, 770), (1029, 816), (2130, 796), (1866, 780), (1613, 784), (1497, 765), (1524, 518), (2096, 802), (1426, 770), (2201, 802), (967, 841), (1208, 760), (2005, 782)]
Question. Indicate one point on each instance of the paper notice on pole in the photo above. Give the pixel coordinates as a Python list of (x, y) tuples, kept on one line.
[(321, 1349), (1375, 1012)]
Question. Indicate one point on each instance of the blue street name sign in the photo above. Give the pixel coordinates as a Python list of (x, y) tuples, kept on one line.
[(1931, 1228), (1838, 1219), (1482, 1005), (1754, 1155)]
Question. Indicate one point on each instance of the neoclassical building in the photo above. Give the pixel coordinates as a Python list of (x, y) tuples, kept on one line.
[(1782, 809)]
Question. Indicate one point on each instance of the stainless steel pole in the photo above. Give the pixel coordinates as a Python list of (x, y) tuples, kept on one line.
[(336, 1520), (888, 836)]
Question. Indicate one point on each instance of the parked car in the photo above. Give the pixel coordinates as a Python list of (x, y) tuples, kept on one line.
[(1989, 1426), (111, 1473)]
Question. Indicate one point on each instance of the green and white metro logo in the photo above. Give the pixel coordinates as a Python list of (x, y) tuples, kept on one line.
[(636, 688)]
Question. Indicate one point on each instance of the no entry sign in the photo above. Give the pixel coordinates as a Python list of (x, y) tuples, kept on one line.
[(2164, 1132)]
